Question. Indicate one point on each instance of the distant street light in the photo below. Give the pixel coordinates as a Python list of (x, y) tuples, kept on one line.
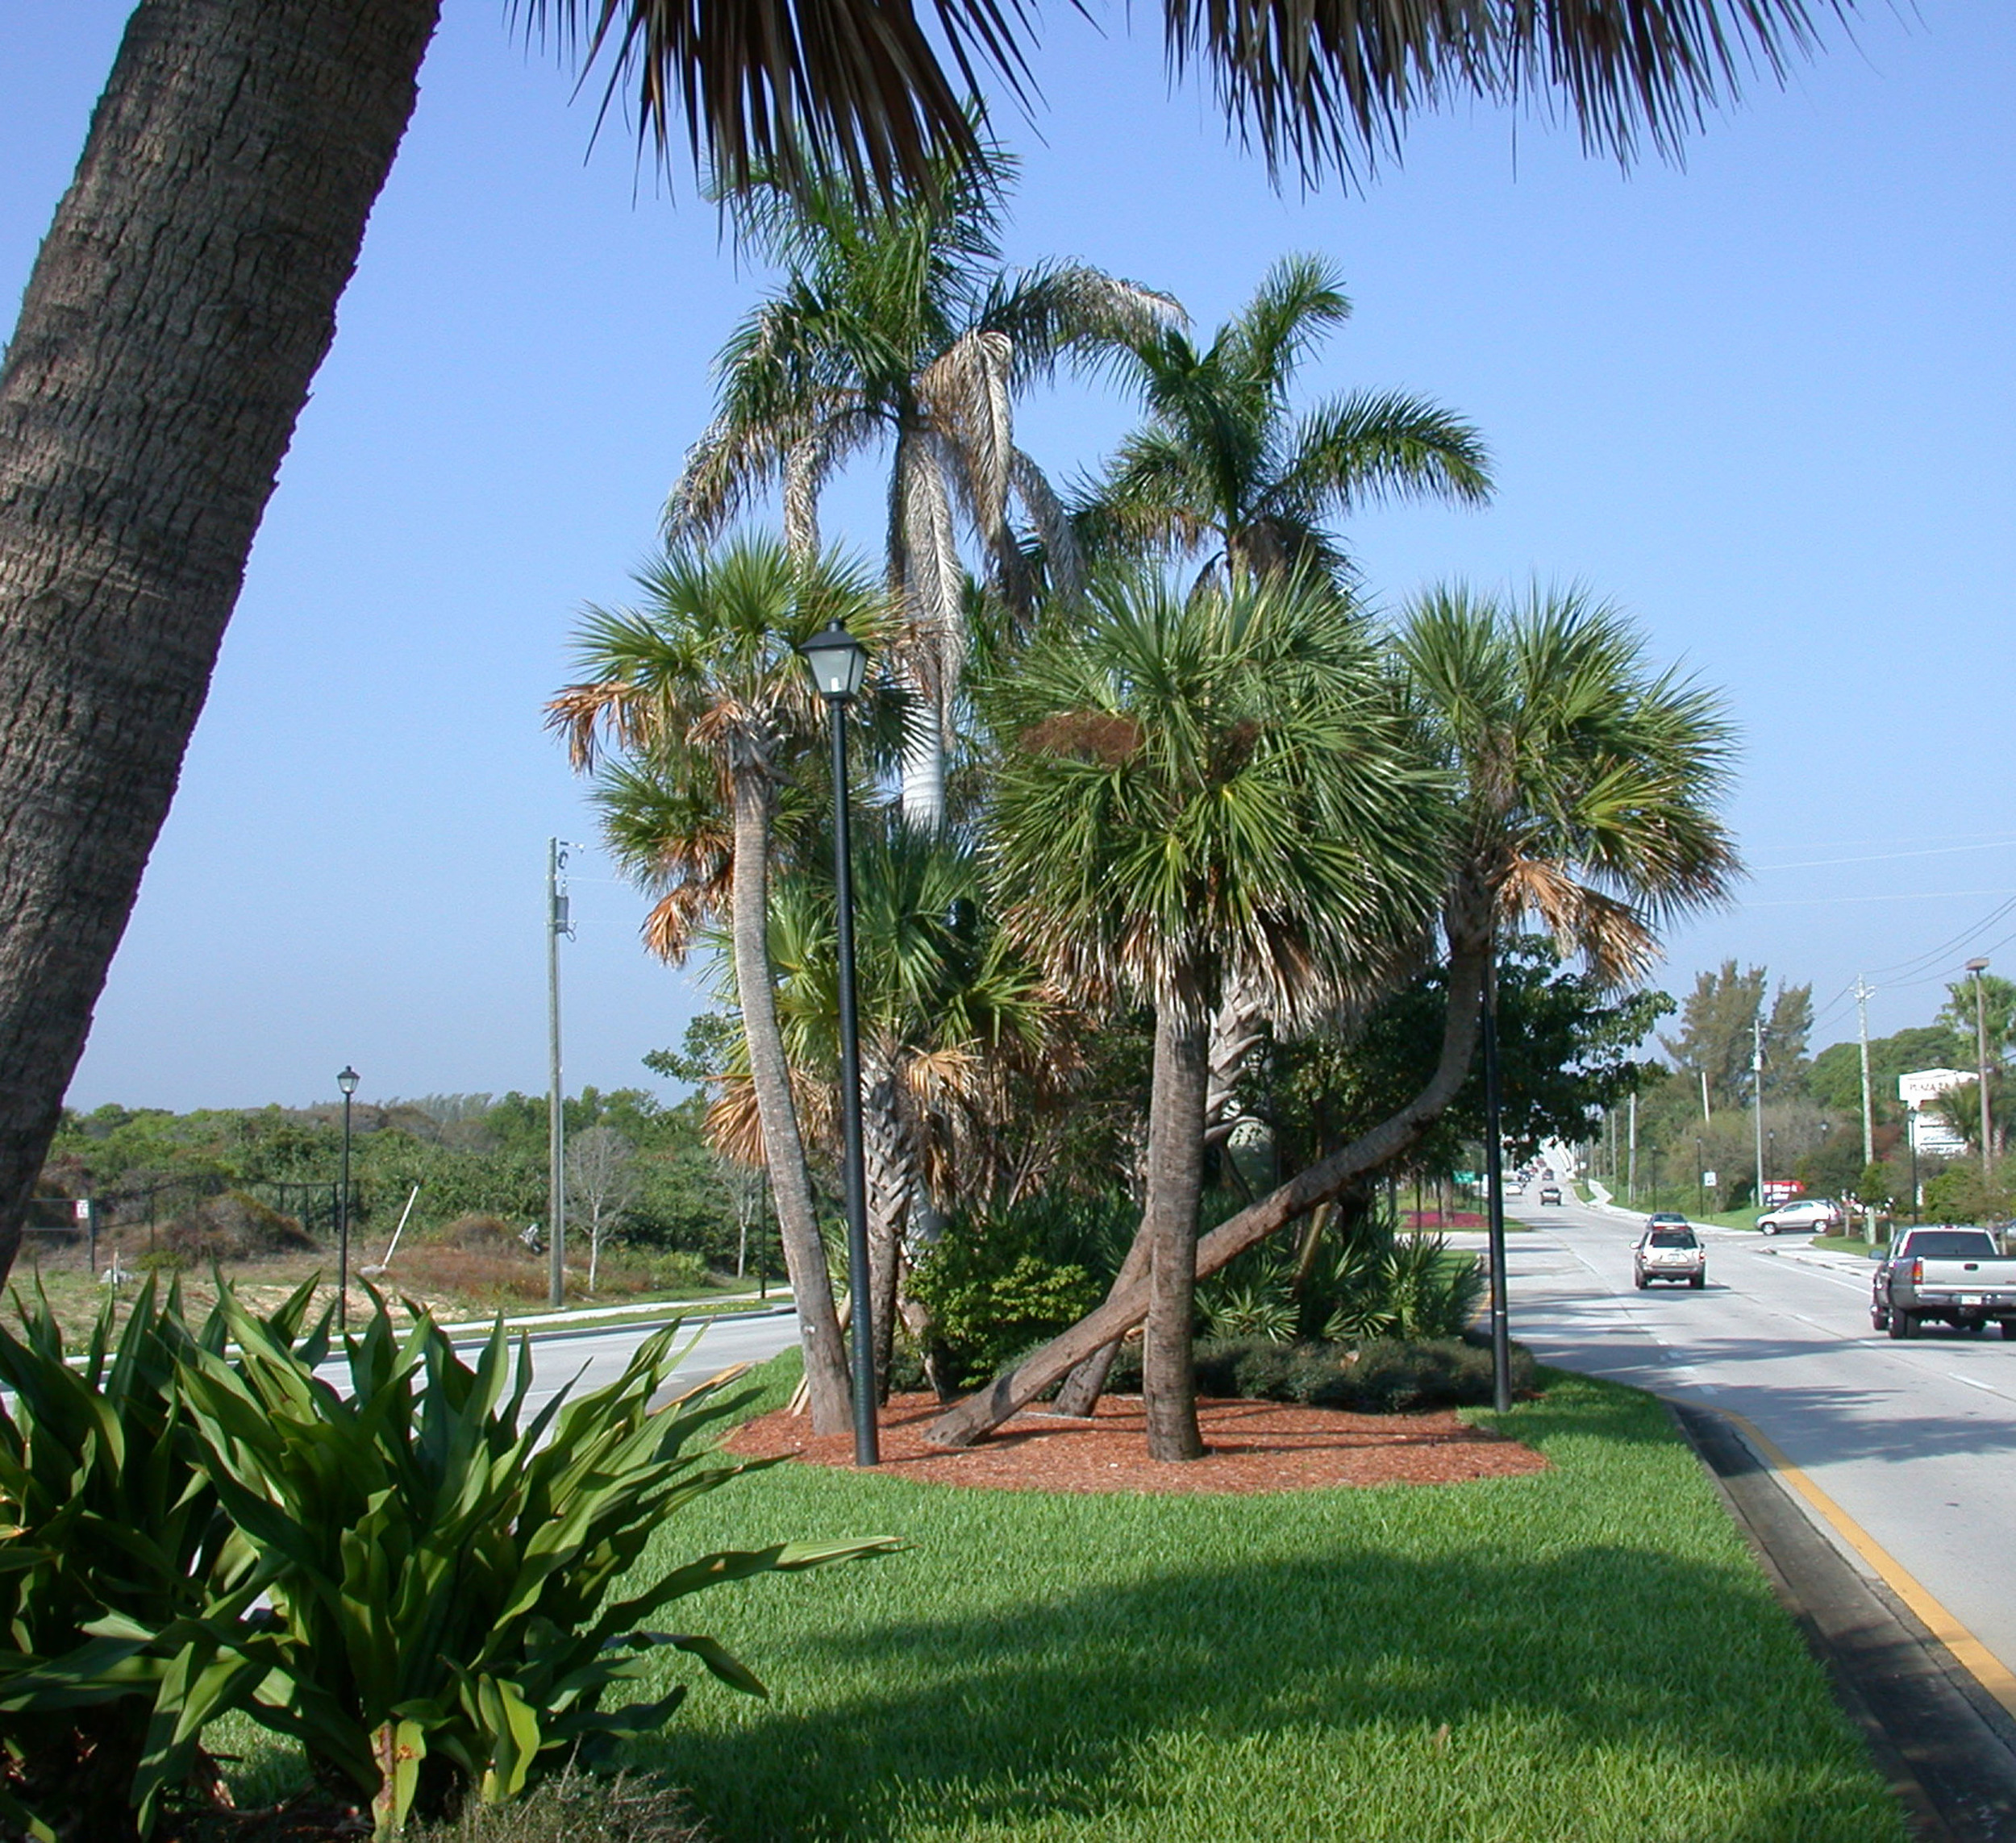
[(1977, 968), (839, 663), (348, 1082)]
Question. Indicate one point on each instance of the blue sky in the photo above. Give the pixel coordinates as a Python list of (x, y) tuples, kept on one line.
[(1765, 401)]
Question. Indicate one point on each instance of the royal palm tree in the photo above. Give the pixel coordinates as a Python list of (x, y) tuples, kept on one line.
[(898, 328), (1192, 790), (217, 215), (1583, 787), (1226, 466), (702, 682)]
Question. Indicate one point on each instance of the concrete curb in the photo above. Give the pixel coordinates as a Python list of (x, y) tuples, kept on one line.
[(1947, 1747)]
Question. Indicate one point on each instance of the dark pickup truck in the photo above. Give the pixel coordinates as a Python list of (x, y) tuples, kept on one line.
[(1955, 1275)]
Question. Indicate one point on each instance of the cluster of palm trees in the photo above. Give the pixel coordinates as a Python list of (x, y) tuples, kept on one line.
[(1150, 753)]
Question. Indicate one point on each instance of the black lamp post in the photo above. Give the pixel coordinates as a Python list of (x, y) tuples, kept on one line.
[(839, 663), (1494, 1175), (348, 1082)]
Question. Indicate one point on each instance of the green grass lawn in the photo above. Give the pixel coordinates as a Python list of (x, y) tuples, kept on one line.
[(1585, 1653)]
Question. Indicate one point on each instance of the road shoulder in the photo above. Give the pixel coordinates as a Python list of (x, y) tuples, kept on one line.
[(1947, 1747)]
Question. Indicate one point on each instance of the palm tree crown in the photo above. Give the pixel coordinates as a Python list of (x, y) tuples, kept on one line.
[(898, 327), (1224, 461), (1199, 787), (1589, 781)]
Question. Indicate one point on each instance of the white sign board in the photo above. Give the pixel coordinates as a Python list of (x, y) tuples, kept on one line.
[(1709, 1180), (1923, 1086), (1932, 1138)]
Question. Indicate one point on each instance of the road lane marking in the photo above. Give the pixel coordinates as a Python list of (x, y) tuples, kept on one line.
[(1987, 1669)]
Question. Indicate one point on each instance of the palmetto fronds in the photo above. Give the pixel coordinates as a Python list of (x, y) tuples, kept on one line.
[(1590, 782), (1223, 459), (1200, 790), (858, 86)]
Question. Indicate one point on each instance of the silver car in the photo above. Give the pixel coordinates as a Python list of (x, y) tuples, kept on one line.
[(1667, 1252)]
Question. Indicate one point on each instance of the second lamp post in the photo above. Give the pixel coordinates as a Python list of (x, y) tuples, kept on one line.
[(348, 1082), (839, 663)]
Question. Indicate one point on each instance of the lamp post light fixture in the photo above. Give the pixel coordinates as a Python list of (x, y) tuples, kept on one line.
[(838, 664), (348, 1082), (1977, 968)]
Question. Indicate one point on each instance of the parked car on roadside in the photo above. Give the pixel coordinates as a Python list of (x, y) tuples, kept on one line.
[(1669, 1250), (1958, 1276), (1816, 1214)]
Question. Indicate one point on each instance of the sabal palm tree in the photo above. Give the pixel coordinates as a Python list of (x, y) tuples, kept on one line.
[(1194, 789), (1583, 786), (1226, 464), (898, 328), (1591, 783), (229, 172), (701, 682), (948, 1008)]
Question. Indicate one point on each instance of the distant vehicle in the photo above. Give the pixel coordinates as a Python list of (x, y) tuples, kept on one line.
[(1955, 1275), (1810, 1213), (1669, 1250), (1666, 1219), (1550, 1193)]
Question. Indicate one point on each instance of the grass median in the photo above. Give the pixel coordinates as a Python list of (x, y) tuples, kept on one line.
[(1588, 1652)]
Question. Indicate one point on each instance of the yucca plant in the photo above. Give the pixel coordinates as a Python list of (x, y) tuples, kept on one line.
[(442, 1578), (110, 1532)]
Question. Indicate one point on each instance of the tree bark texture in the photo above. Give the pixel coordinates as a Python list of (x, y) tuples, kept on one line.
[(1466, 918), (178, 310), (890, 1166), (826, 1373), (1175, 1181)]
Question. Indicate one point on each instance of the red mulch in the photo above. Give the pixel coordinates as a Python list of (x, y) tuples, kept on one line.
[(1252, 1446)]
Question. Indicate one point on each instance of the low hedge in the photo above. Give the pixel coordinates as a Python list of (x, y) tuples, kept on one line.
[(1380, 1375)]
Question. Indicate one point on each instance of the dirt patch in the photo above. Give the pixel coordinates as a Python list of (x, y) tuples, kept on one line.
[(1252, 1446)]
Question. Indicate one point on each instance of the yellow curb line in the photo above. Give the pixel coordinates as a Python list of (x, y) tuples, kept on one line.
[(1982, 1664)]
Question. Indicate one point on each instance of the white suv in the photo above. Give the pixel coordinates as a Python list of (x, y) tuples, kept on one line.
[(1809, 1212)]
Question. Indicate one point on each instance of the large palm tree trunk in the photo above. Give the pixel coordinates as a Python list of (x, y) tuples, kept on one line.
[(783, 1146), (1467, 913), (178, 310), (1176, 1182)]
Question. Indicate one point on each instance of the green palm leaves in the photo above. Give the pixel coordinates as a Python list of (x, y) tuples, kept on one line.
[(898, 327), (1197, 788), (1590, 782), (1226, 465)]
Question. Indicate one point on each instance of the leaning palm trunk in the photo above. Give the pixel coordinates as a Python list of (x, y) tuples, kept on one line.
[(769, 1079), (1468, 932), (1175, 1183), (183, 300)]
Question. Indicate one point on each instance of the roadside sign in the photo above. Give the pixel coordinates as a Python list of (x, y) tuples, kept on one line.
[(1709, 1180)]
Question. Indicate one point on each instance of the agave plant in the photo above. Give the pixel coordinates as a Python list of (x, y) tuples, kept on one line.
[(443, 1577), (109, 1527)]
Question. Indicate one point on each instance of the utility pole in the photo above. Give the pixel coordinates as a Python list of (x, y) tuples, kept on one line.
[(1863, 989), (1977, 968), (1630, 1169), (1704, 1097), (1756, 1096), (557, 924)]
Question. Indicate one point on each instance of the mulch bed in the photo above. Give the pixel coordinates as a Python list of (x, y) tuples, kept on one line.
[(1252, 1446)]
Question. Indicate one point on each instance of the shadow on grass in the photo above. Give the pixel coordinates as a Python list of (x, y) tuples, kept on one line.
[(1605, 1670)]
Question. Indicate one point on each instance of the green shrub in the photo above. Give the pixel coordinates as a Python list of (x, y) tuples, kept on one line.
[(997, 1282), (108, 1515), (1378, 1376), (234, 1227), (441, 1576)]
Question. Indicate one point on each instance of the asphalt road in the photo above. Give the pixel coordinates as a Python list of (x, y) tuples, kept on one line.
[(583, 1360), (1915, 1441)]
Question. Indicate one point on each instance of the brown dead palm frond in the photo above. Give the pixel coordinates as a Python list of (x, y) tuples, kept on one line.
[(1613, 937)]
